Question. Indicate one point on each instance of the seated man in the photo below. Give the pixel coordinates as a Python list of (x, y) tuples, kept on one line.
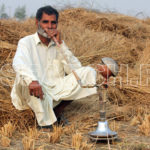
[(43, 76)]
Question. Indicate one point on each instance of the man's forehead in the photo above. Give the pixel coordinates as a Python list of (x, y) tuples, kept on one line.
[(48, 17)]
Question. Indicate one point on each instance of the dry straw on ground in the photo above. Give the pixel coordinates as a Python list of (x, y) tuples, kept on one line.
[(33, 133), (28, 143), (8, 129), (79, 144), (70, 129), (77, 140), (5, 141), (144, 128), (55, 135)]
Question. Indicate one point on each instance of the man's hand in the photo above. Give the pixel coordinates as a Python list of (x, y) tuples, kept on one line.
[(54, 33), (35, 89)]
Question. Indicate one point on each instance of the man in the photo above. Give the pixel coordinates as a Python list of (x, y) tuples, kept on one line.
[(43, 76)]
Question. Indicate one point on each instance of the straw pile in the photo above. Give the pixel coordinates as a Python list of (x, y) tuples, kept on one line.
[(91, 36), (11, 32)]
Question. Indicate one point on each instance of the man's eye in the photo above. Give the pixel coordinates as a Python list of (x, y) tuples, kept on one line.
[(45, 21), (53, 22)]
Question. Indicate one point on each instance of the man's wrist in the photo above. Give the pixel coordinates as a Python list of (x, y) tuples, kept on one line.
[(60, 42), (35, 81)]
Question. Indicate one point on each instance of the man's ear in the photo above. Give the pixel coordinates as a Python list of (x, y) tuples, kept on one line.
[(36, 21), (56, 24)]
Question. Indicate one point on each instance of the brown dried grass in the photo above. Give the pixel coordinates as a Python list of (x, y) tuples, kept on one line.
[(142, 121), (40, 148), (77, 140), (145, 57), (144, 127), (70, 129), (79, 144), (55, 135), (28, 143), (87, 146), (5, 141), (33, 133), (8, 129)]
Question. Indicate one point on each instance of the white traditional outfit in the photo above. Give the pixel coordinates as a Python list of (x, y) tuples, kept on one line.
[(35, 61)]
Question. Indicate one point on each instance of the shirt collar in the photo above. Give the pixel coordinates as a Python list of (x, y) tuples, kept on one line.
[(52, 43), (38, 41), (36, 38)]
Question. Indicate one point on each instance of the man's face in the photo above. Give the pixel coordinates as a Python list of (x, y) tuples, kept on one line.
[(47, 22)]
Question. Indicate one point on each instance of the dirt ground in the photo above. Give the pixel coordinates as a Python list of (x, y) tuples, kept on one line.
[(79, 114)]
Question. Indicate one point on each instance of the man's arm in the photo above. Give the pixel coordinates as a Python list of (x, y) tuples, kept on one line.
[(73, 62), (23, 65)]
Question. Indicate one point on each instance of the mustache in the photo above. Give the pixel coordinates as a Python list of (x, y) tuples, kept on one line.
[(44, 32)]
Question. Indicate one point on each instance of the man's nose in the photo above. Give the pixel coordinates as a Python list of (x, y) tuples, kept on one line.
[(49, 25)]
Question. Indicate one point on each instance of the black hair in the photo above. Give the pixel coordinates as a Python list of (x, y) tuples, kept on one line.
[(48, 10)]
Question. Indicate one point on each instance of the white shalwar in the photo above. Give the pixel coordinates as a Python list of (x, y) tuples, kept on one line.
[(35, 61)]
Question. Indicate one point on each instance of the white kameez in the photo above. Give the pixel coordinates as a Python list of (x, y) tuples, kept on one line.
[(35, 61)]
